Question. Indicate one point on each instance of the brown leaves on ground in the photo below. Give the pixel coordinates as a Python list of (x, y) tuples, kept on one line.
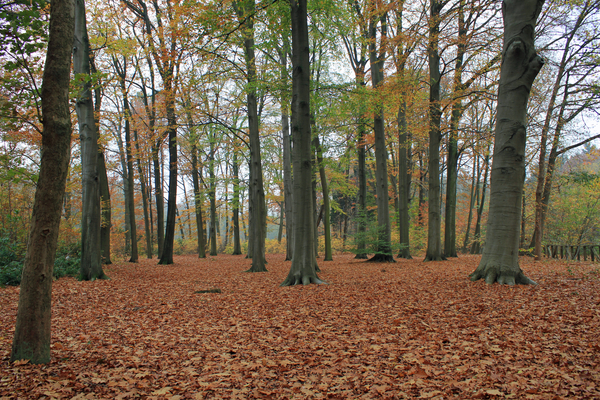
[(403, 330)]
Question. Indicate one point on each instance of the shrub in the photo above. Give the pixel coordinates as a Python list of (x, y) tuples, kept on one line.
[(66, 263)]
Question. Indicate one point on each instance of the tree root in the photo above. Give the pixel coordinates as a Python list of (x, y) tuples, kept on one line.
[(302, 280), (502, 275), (381, 258)]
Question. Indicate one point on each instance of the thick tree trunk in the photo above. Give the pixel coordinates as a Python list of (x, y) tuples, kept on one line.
[(520, 66), (303, 268), (434, 240), (91, 262), (32, 330)]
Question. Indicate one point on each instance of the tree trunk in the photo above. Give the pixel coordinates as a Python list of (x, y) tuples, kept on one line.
[(520, 66), (281, 214), (32, 330), (145, 196), (403, 183), (326, 206), (198, 201), (235, 208), (167, 251), (246, 10), (384, 234), (91, 262), (129, 194), (106, 217), (361, 248), (456, 114), (213, 201), (106, 223), (474, 184), (476, 246), (303, 268), (158, 195), (434, 240), (287, 160)]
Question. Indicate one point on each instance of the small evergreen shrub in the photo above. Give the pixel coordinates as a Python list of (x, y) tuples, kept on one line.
[(66, 263)]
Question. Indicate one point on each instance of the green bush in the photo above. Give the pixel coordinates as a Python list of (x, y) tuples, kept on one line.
[(10, 274), (66, 263)]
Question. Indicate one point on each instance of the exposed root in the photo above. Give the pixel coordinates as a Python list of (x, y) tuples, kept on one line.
[(381, 258), (254, 268), (362, 256), (504, 275), (302, 280)]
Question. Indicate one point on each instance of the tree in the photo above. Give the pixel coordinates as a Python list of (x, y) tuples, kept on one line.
[(357, 49), (121, 71), (573, 92), (303, 268), (434, 241), (91, 262), (377, 59), (167, 54), (520, 66), (32, 330), (245, 10)]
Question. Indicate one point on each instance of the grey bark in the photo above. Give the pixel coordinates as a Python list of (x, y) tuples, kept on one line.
[(434, 241), (303, 268), (91, 262), (287, 157), (144, 190), (377, 58), (246, 10), (235, 206), (520, 66)]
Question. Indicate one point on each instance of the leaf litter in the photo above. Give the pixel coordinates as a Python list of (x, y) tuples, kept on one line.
[(391, 331)]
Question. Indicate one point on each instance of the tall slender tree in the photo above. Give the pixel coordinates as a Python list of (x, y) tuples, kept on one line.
[(91, 262), (434, 240), (304, 262), (245, 10), (377, 58)]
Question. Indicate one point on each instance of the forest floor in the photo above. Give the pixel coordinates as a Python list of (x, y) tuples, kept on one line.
[(404, 330)]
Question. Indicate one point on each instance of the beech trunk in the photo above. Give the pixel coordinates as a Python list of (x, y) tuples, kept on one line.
[(520, 66)]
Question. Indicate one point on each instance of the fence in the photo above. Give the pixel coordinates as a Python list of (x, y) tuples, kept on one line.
[(573, 252)]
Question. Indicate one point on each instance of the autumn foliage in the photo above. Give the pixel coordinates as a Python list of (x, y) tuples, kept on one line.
[(392, 331)]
